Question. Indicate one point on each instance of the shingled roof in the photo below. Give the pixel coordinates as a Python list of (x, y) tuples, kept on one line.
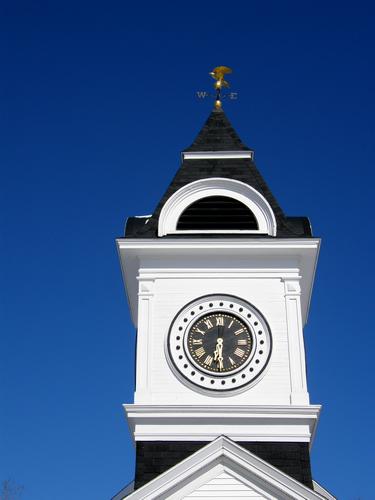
[(218, 134)]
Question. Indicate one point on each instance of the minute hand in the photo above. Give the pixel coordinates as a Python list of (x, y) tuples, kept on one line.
[(219, 331)]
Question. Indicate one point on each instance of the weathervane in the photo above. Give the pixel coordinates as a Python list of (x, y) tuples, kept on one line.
[(218, 74)]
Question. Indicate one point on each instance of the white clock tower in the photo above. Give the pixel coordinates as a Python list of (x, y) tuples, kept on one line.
[(219, 282)]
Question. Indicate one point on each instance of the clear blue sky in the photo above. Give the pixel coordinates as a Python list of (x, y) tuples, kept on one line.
[(97, 101)]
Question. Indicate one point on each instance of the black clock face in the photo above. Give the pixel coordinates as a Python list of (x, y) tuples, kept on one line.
[(219, 342)]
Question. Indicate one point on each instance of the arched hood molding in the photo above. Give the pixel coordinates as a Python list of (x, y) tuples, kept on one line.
[(217, 186)]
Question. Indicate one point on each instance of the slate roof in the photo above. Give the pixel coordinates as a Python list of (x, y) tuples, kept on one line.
[(218, 134)]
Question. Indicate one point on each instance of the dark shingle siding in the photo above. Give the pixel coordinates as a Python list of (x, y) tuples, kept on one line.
[(154, 458)]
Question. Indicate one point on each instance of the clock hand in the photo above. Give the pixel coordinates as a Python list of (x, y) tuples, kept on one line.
[(220, 332), (218, 353), (221, 365), (219, 346)]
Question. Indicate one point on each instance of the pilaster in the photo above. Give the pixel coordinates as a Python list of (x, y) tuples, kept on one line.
[(296, 349), (144, 341)]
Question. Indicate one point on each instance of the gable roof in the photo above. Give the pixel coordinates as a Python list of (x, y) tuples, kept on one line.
[(246, 471), (218, 135)]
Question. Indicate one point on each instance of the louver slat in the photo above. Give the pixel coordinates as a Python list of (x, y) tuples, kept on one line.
[(217, 213)]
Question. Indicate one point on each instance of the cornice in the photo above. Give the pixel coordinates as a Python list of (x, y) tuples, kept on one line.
[(240, 423), (183, 410), (215, 243)]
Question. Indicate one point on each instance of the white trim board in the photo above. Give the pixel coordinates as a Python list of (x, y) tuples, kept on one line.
[(216, 155)]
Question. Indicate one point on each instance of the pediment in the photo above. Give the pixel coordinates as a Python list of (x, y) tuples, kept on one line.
[(225, 484), (224, 470)]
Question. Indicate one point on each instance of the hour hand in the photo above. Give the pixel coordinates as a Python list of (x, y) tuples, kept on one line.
[(218, 353)]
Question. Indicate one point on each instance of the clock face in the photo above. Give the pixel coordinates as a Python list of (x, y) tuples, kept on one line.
[(219, 343)]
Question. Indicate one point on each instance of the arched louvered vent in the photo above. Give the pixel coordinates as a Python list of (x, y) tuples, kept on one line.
[(217, 213)]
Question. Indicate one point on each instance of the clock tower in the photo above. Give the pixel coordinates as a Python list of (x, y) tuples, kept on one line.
[(219, 282)]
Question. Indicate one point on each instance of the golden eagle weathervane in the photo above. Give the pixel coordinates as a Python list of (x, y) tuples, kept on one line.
[(218, 74)]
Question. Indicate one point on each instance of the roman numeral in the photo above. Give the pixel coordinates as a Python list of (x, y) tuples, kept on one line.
[(219, 321), (242, 342), (237, 332), (199, 352), (231, 361), (208, 360), (230, 324), (199, 331), (239, 352), (197, 341), (208, 323)]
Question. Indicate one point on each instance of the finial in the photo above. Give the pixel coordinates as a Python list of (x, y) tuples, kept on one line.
[(218, 74)]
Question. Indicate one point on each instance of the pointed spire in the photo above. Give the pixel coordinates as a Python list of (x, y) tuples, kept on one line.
[(218, 137), (218, 134)]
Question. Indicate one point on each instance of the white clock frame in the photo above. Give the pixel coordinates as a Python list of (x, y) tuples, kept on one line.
[(190, 374)]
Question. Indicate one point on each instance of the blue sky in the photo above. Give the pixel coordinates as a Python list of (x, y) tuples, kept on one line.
[(98, 100)]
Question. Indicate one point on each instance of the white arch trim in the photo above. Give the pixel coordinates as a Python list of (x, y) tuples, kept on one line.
[(216, 186)]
